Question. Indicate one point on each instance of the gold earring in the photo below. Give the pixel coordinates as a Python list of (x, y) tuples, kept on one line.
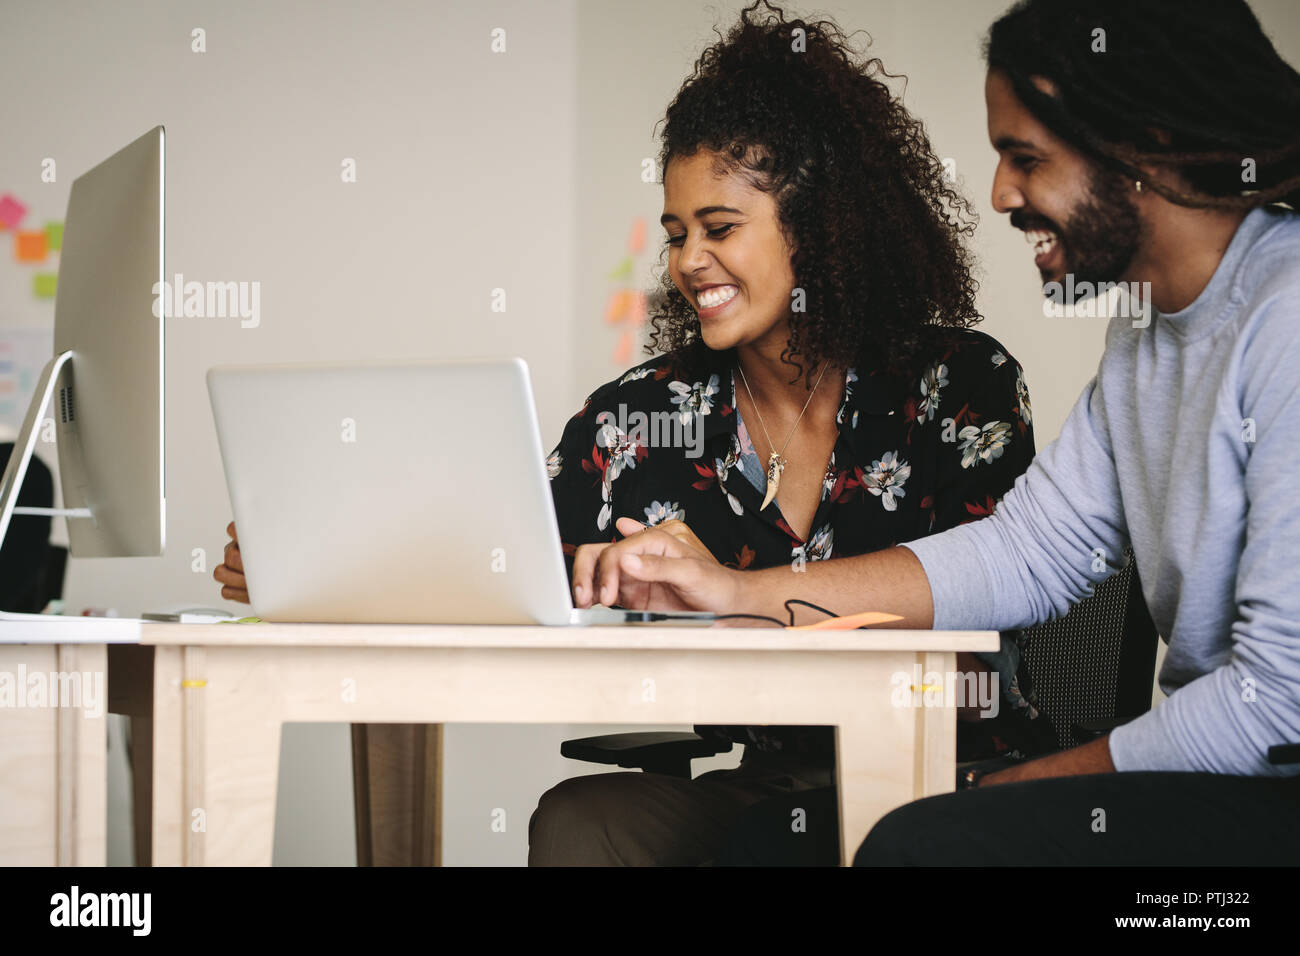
[(1137, 184)]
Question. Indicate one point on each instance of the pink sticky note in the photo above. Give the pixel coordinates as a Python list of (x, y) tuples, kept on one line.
[(11, 211)]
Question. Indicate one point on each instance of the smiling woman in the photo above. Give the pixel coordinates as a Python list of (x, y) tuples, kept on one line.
[(812, 335)]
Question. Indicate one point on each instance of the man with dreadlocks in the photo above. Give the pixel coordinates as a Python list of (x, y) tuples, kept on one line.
[(1124, 158)]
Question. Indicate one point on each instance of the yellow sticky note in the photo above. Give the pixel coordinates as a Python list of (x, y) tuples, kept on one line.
[(54, 236), (29, 246), (44, 284)]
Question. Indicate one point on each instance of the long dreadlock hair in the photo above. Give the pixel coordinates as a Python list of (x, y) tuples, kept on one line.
[(1194, 85)]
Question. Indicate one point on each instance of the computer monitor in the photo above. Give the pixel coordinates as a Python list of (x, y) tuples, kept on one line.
[(107, 369)]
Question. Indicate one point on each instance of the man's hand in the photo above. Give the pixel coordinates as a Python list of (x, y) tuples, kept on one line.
[(663, 568)]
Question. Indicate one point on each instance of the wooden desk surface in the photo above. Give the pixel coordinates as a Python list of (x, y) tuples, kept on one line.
[(628, 637)]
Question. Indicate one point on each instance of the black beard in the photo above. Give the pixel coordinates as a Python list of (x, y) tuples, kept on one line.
[(1102, 235)]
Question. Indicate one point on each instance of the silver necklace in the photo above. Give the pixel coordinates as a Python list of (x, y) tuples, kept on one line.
[(776, 461)]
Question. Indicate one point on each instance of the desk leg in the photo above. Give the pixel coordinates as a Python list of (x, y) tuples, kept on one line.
[(397, 783), (230, 736), (892, 755), (168, 821), (53, 791), (215, 805), (83, 761)]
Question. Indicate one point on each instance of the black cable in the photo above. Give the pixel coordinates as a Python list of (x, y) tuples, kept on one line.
[(755, 617), (806, 604), (788, 608), (790, 611)]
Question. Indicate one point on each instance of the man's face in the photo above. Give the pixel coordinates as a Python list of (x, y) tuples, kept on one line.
[(723, 233), (1079, 217)]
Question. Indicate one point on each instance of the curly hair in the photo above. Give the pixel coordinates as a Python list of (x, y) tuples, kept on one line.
[(863, 201)]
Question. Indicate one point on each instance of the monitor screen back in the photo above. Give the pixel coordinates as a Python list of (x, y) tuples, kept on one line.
[(109, 397)]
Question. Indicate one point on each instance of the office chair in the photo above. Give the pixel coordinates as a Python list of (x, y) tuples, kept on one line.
[(1093, 669), (31, 569)]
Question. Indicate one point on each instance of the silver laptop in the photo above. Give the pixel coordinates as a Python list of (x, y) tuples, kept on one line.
[(395, 492)]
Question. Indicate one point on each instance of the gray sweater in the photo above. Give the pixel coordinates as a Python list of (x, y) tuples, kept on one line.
[(1187, 444)]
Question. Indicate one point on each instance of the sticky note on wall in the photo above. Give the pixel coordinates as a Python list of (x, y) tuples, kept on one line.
[(54, 236), (44, 284), (29, 246), (617, 306), (11, 211)]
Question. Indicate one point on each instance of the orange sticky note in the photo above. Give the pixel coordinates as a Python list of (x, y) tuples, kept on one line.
[(30, 246), (616, 307), (848, 623)]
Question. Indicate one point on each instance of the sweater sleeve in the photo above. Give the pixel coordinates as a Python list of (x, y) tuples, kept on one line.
[(1225, 720)]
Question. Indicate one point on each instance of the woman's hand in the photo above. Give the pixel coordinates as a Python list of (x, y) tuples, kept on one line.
[(231, 573), (678, 529), (662, 568)]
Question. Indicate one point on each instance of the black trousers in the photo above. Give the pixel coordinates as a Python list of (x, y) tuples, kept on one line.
[(1114, 819)]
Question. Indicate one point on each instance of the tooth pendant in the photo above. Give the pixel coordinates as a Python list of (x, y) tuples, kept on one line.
[(775, 464)]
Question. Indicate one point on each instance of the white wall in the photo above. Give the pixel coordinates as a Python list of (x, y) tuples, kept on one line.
[(475, 171)]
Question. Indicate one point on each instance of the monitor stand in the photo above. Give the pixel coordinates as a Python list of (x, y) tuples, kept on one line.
[(24, 448), (14, 474)]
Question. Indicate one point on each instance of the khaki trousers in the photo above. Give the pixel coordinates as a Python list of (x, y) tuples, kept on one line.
[(650, 819)]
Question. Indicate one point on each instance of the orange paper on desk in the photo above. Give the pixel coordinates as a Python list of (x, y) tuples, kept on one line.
[(849, 622)]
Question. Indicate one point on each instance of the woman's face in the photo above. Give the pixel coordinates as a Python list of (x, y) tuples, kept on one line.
[(724, 233)]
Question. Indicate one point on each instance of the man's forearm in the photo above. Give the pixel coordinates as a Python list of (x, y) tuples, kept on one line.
[(1092, 757), (891, 580)]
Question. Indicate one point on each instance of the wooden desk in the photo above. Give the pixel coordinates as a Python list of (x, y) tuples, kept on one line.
[(217, 696), (53, 763)]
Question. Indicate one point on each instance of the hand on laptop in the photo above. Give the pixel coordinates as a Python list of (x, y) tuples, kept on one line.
[(231, 573), (678, 529), (661, 568)]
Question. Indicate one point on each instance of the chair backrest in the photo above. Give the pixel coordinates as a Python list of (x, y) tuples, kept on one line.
[(25, 553), (1098, 661)]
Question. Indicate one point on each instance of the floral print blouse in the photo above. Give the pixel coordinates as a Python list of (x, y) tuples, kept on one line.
[(913, 457)]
